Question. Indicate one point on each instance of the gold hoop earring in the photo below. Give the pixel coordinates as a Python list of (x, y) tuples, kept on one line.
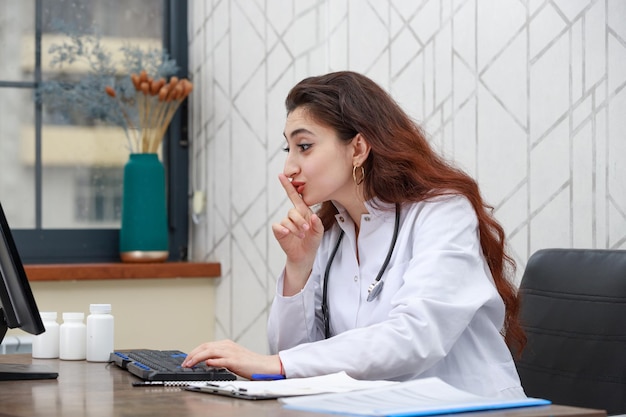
[(358, 181)]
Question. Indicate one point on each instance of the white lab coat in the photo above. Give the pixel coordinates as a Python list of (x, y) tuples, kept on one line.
[(439, 313)]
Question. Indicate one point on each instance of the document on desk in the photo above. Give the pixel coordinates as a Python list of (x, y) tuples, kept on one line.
[(421, 397), (257, 390)]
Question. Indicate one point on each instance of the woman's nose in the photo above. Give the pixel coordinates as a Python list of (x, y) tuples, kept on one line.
[(290, 169)]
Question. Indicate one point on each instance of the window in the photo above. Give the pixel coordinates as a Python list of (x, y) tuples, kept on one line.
[(98, 198), (61, 172)]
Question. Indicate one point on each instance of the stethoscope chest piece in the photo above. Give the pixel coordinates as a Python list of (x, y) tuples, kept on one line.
[(374, 289)]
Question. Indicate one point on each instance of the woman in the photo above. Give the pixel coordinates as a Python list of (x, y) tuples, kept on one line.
[(401, 273)]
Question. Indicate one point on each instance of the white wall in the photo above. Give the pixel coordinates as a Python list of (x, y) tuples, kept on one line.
[(175, 313), (527, 96)]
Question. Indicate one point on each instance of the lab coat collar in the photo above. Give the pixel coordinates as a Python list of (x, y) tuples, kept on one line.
[(378, 213), (375, 207)]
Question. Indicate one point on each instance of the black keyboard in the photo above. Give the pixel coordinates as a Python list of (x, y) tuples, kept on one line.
[(165, 365)]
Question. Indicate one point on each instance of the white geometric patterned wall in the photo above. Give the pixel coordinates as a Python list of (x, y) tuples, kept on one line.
[(528, 96)]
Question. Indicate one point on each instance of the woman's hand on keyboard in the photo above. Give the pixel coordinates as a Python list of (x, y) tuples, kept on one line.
[(237, 359)]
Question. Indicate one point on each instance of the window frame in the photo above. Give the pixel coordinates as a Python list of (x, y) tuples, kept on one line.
[(55, 246)]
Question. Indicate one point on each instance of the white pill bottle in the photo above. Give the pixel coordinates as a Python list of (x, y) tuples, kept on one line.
[(100, 333), (72, 337), (46, 345)]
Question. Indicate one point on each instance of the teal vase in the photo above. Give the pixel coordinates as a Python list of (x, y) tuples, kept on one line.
[(144, 231)]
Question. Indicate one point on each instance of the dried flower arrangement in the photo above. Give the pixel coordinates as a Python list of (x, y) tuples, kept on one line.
[(156, 102), (121, 93)]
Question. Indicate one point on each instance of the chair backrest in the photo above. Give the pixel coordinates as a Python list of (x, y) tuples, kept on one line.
[(573, 309)]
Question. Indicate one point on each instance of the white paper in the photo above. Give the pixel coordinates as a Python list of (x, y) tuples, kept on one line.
[(334, 383), (425, 396)]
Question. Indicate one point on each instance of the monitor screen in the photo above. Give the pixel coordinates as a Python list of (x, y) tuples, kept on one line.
[(17, 304)]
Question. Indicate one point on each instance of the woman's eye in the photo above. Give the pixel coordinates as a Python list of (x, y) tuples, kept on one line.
[(303, 147)]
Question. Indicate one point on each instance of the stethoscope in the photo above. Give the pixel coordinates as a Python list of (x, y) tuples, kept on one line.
[(375, 287)]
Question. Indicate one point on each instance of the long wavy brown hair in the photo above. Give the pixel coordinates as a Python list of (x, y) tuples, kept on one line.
[(402, 167)]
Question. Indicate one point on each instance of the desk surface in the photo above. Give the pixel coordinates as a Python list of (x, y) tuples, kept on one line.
[(97, 389)]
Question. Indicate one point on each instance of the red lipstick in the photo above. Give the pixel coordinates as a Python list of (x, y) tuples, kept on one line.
[(299, 186)]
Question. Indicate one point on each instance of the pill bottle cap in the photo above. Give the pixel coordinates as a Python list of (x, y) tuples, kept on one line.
[(73, 316), (48, 315), (100, 308)]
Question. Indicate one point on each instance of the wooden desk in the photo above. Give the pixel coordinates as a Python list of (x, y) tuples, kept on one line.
[(101, 390)]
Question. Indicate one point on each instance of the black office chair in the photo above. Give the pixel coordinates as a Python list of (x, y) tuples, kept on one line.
[(573, 309)]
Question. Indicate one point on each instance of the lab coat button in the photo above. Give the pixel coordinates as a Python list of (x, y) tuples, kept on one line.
[(367, 218), (356, 278), (341, 219)]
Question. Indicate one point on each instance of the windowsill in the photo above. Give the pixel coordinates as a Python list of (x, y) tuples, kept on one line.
[(71, 272)]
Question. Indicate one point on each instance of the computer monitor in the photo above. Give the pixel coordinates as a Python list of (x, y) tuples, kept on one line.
[(17, 306)]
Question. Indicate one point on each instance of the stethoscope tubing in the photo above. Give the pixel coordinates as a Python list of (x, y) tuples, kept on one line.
[(375, 287)]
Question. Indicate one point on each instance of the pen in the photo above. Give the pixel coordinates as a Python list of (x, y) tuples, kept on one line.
[(267, 377), (161, 383), (149, 384)]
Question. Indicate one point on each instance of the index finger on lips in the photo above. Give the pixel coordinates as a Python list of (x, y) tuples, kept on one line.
[(293, 195)]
